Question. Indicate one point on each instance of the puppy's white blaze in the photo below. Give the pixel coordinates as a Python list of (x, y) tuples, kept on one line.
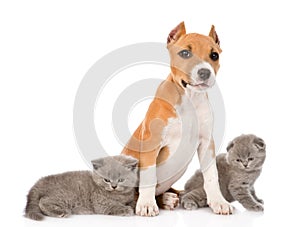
[(203, 65)]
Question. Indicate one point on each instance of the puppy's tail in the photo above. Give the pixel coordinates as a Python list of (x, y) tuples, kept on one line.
[(32, 209)]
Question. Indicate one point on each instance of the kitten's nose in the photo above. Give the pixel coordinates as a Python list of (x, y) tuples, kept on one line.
[(245, 164), (114, 186)]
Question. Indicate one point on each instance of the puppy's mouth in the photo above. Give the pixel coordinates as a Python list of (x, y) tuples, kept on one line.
[(201, 85)]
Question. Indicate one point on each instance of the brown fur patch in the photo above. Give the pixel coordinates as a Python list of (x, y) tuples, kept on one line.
[(163, 155), (146, 140), (211, 148)]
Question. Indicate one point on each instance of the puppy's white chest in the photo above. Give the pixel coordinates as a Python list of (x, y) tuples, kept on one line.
[(194, 119), (182, 136)]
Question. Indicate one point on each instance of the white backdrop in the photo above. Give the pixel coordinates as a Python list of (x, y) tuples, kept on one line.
[(46, 47)]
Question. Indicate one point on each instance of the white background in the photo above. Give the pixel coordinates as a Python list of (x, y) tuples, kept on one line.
[(46, 47)]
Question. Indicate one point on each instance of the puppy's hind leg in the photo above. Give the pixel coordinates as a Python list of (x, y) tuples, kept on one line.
[(169, 200)]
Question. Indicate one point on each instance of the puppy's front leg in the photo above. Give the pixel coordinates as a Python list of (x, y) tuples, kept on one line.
[(146, 204), (207, 158)]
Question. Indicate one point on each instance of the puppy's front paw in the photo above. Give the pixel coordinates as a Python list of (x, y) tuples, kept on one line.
[(169, 201), (220, 206), (146, 208)]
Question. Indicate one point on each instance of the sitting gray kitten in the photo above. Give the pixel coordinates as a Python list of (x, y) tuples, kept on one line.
[(109, 189), (237, 171)]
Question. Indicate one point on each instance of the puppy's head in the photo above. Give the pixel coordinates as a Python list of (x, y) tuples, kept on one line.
[(194, 58)]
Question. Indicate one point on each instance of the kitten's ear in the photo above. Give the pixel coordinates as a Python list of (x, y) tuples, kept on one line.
[(97, 163), (259, 143), (229, 146), (129, 161)]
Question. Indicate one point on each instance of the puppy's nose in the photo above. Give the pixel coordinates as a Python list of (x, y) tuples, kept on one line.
[(204, 73)]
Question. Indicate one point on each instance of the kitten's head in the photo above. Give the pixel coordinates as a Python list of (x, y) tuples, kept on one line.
[(246, 152), (116, 173)]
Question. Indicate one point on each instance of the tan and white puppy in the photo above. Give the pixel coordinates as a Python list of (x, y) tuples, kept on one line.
[(178, 123)]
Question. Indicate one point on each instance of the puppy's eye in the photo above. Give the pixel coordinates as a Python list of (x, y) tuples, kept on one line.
[(185, 54), (106, 180), (250, 159), (121, 180), (238, 160), (214, 56)]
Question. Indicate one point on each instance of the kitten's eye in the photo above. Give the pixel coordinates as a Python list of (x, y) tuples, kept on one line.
[(185, 54), (238, 160), (250, 159), (121, 180), (106, 180)]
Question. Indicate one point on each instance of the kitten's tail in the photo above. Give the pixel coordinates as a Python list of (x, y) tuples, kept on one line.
[(32, 209)]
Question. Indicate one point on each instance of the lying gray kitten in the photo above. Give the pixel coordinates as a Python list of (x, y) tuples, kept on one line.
[(109, 189), (237, 171)]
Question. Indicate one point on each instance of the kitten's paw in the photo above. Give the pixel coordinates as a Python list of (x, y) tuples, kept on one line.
[(256, 207), (169, 201), (53, 210), (188, 203), (63, 215), (146, 208), (220, 207), (260, 201), (125, 211)]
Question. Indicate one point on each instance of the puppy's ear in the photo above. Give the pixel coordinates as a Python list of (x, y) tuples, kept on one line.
[(213, 34), (229, 146), (175, 34), (97, 163), (259, 143)]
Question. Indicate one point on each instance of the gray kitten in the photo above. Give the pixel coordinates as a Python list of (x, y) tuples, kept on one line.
[(109, 189), (237, 171)]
